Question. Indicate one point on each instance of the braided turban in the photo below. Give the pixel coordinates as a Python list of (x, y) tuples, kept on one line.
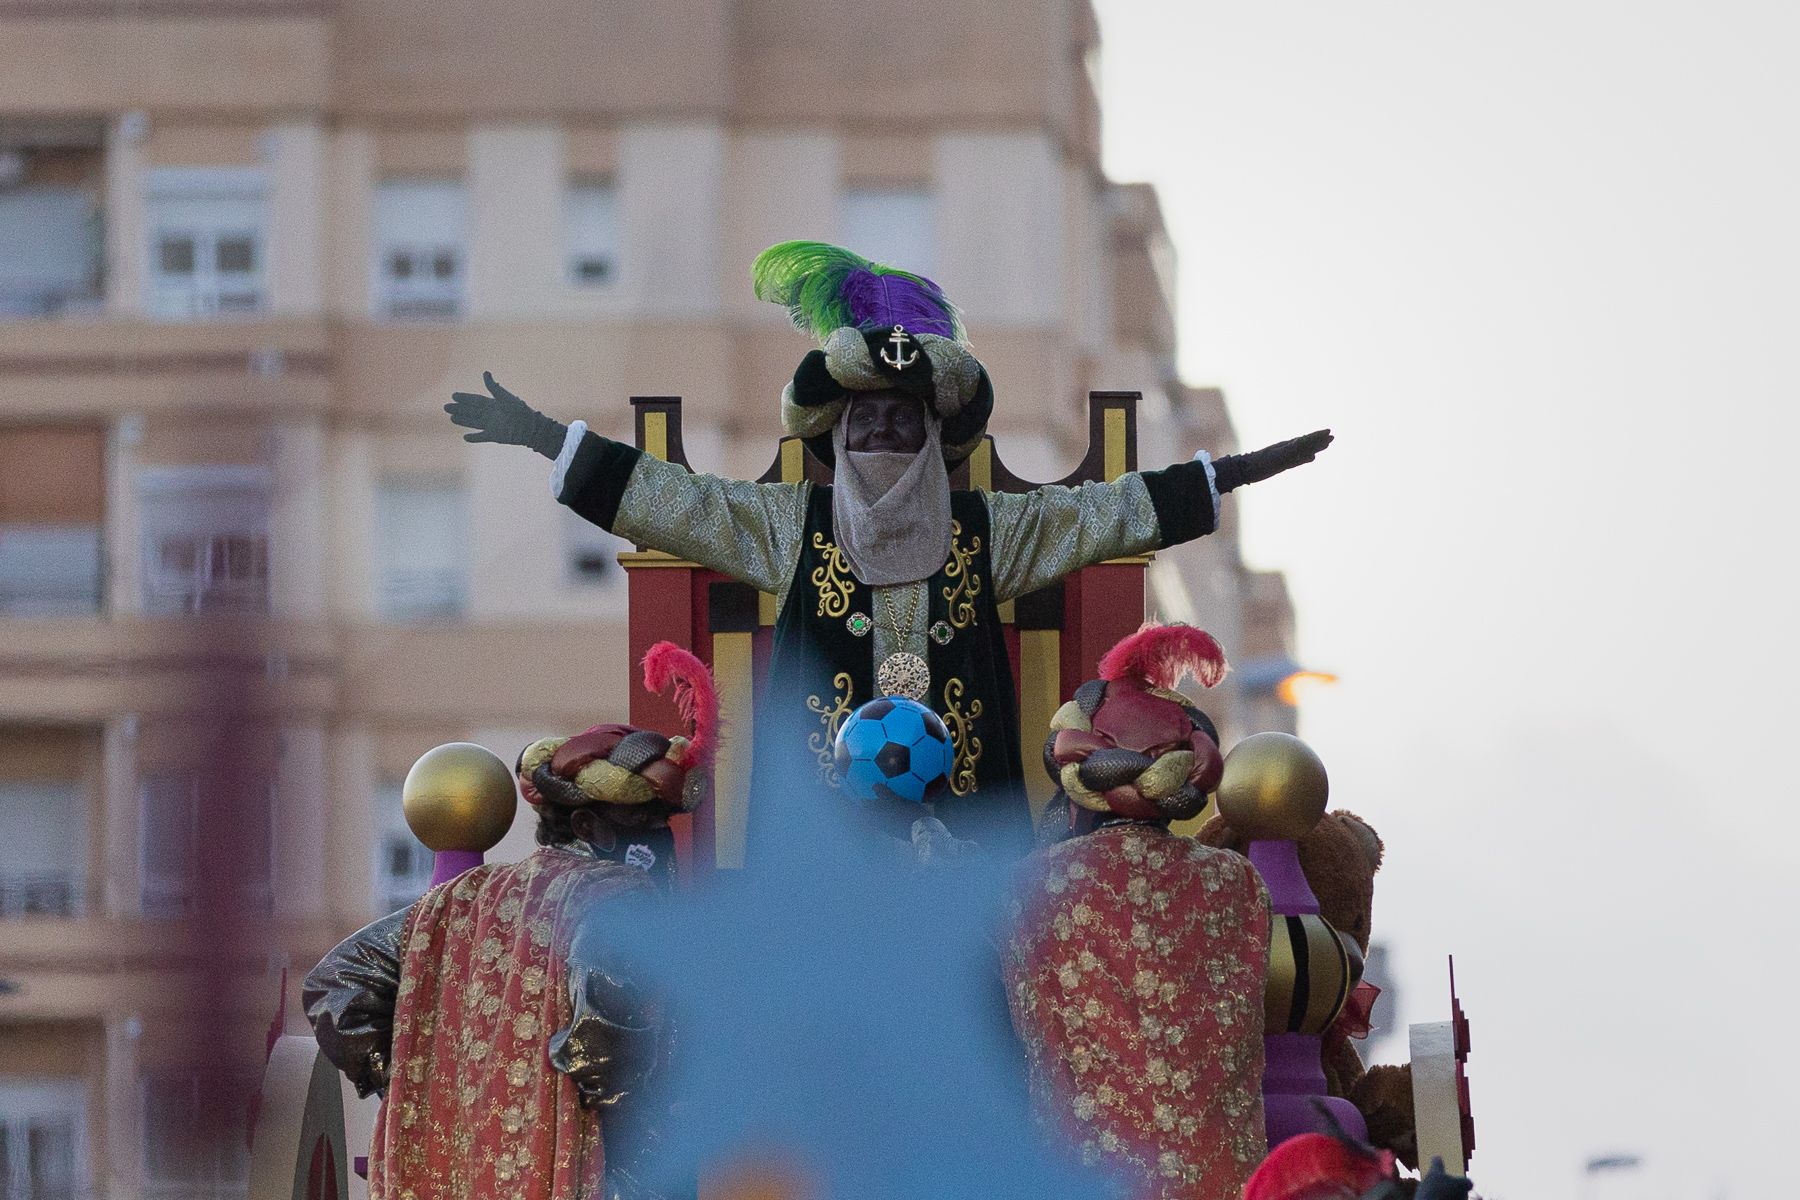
[(621, 765), (1128, 744)]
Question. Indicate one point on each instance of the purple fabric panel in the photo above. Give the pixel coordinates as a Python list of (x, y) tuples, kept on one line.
[(895, 300), (1293, 1087), (1290, 1116), (1291, 1064), (1278, 862), (448, 864)]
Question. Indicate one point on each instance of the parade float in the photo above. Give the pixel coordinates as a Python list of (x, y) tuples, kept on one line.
[(998, 650)]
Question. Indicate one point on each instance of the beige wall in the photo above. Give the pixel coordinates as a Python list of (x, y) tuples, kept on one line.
[(410, 59), (1002, 221), (114, 63)]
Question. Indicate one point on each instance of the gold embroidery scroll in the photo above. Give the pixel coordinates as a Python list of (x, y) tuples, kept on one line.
[(959, 595), (823, 742), (832, 578), (961, 721)]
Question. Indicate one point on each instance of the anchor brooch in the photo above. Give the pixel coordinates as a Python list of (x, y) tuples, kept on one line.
[(900, 359)]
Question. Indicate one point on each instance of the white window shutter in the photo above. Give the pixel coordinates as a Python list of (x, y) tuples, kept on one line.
[(421, 549), (892, 225)]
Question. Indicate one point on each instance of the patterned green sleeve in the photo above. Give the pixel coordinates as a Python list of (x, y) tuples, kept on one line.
[(750, 531), (1044, 534)]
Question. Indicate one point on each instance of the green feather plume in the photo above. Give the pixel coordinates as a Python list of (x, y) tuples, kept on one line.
[(814, 281)]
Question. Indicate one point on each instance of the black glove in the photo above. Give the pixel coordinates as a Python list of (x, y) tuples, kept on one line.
[(503, 417), (1235, 470)]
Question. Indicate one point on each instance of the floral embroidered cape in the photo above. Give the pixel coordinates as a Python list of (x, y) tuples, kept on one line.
[(474, 1107), (1135, 963)]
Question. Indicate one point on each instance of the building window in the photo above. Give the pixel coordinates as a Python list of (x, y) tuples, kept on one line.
[(206, 539), (206, 227), (591, 235), (403, 864), (421, 549), (420, 238), (44, 811), (239, 835), (43, 1153), (42, 855), (52, 498), (591, 554), (194, 1147), (892, 225), (52, 249)]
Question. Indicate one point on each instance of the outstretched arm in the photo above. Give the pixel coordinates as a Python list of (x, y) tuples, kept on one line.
[(750, 531), (1181, 492), (1235, 470), (1044, 534)]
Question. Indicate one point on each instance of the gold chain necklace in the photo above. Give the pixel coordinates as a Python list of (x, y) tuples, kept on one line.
[(900, 629), (902, 673)]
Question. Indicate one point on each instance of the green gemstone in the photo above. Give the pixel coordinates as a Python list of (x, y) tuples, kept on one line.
[(941, 633), (859, 624)]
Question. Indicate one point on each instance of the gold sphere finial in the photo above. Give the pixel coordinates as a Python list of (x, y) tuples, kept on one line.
[(459, 796), (1274, 786)]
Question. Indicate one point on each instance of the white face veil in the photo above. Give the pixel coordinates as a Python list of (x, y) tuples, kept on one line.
[(891, 512)]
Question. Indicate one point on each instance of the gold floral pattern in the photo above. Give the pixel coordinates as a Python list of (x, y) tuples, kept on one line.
[(475, 1107), (1134, 967), (832, 577), (961, 721), (965, 584), (823, 742)]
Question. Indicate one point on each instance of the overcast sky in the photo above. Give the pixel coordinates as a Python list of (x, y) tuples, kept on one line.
[(1537, 264)]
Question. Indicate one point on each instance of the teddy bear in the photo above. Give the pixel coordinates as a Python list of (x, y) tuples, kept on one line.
[(1340, 858)]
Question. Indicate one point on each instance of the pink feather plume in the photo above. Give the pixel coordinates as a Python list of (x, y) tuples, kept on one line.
[(1161, 654), (696, 697)]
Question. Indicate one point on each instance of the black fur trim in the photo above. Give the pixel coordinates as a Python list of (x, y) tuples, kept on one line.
[(916, 377), (596, 479), (813, 384), (1183, 503), (968, 424), (960, 430)]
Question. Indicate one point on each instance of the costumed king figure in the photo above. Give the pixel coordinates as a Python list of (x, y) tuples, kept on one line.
[(1135, 959), (888, 582), (514, 1053)]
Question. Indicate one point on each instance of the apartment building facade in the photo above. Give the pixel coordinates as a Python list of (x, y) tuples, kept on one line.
[(247, 570)]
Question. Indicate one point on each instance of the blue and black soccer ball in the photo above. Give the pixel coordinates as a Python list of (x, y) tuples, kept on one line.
[(894, 748)]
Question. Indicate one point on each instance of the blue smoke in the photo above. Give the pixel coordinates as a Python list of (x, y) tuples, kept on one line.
[(842, 1008)]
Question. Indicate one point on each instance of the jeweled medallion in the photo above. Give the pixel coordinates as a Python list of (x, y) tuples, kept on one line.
[(859, 624), (941, 633), (903, 674)]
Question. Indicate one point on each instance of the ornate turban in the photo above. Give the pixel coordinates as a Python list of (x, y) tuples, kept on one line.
[(622, 765), (1128, 744), (879, 327)]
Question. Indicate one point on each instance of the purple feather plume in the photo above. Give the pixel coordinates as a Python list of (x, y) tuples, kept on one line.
[(877, 300)]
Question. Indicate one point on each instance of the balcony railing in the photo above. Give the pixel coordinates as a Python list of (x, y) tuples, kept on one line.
[(20, 301), (40, 894)]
